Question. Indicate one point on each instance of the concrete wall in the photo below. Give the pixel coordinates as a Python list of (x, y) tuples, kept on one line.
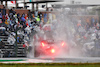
[(20, 11)]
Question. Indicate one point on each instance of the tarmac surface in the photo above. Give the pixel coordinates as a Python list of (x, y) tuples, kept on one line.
[(52, 60)]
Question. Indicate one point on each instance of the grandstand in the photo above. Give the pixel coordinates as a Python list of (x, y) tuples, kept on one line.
[(9, 50), (12, 46)]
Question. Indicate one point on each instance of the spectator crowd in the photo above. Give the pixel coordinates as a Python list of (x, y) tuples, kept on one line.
[(20, 27)]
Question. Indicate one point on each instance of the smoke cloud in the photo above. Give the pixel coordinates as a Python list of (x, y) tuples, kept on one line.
[(65, 28)]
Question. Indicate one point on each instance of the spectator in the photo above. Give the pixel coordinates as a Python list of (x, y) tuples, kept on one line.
[(29, 14), (24, 45), (92, 22), (45, 18), (23, 15), (0, 18), (2, 44), (0, 9), (18, 15), (4, 11), (18, 39), (23, 19), (10, 11), (40, 16), (36, 13), (38, 19), (0, 39), (0, 15), (3, 14)]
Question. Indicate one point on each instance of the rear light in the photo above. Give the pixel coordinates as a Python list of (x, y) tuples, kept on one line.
[(62, 44), (43, 44), (52, 50)]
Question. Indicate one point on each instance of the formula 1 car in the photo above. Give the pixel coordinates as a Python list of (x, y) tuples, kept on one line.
[(50, 48)]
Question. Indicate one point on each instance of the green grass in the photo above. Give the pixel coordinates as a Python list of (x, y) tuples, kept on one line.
[(49, 65), (11, 60), (52, 65)]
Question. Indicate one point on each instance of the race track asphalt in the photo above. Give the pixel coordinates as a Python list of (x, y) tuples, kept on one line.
[(53, 60)]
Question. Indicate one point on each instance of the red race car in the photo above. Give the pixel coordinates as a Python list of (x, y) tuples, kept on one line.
[(50, 48)]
